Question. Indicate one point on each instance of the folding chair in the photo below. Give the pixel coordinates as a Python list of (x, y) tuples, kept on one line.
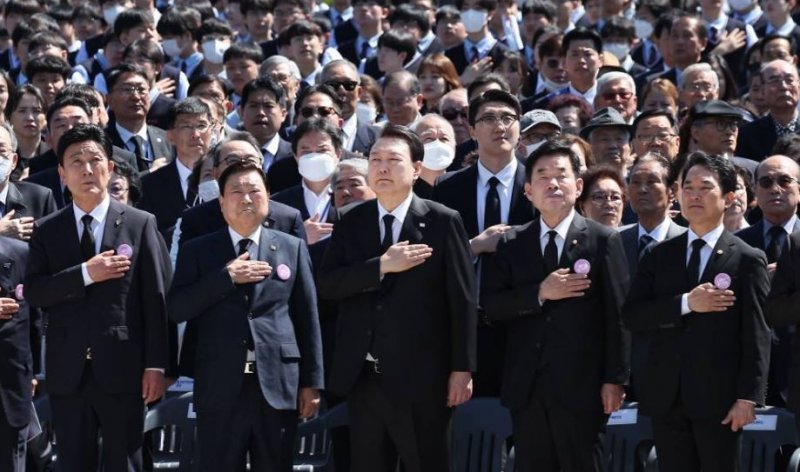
[(313, 452), (480, 430), (628, 440), (774, 427), (174, 444)]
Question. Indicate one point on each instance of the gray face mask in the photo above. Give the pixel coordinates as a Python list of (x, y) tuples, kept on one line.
[(5, 169)]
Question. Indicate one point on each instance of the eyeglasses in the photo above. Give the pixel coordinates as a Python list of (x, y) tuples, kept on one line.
[(348, 85), (701, 87), (724, 125), (622, 94), (451, 114), (601, 198), (778, 80), (324, 112), (783, 181), (117, 190), (491, 120), (651, 138), (389, 103), (131, 91), (200, 128)]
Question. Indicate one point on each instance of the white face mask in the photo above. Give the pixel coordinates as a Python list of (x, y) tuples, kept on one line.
[(5, 169), (208, 190), (438, 155), (214, 50), (740, 5), (553, 86), (643, 28), (619, 50), (171, 48), (474, 20), (316, 166), (366, 113), (532, 147), (110, 14)]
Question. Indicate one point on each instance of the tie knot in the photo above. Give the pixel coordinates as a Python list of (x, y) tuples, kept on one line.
[(388, 219), (244, 245), (646, 239), (87, 220), (552, 234), (698, 244), (775, 232), (493, 182)]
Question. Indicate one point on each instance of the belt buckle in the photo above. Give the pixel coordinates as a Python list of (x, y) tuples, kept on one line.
[(249, 367)]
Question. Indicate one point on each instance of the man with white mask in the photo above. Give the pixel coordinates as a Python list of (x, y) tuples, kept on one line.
[(536, 127), (475, 56), (439, 140), (317, 147)]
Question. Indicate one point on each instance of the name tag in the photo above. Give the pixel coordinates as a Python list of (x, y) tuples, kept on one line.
[(190, 413), (763, 423), (183, 384), (626, 416)]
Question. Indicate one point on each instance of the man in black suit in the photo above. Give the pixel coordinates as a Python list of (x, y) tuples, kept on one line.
[(256, 316), (342, 76), (20, 338), (778, 194), (104, 263), (147, 54), (479, 50), (416, 21), (713, 129), (129, 100), (166, 193), (400, 270), (557, 284), (688, 38), (490, 198), (782, 93), (701, 286), (369, 15), (21, 203), (341, 17), (262, 110)]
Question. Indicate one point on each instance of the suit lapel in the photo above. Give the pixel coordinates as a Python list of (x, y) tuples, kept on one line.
[(15, 200), (369, 235), (470, 195), (113, 226), (719, 257), (520, 208), (576, 239), (415, 222), (267, 247)]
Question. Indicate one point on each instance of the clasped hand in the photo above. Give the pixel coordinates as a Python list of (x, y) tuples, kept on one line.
[(403, 256), (562, 284), (244, 271), (706, 298)]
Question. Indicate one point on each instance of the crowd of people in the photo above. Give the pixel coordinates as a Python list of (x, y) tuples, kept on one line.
[(398, 206)]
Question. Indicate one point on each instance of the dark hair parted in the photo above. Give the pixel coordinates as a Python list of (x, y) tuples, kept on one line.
[(403, 133), (47, 65), (245, 51), (497, 96), (15, 98), (581, 34), (267, 84), (550, 148), (652, 114), (67, 101), (320, 125), (82, 133), (726, 173), (115, 75), (399, 41), (188, 106), (240, 167)]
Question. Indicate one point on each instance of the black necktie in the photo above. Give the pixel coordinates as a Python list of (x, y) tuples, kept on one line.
[(364, 50), (491, 212), (138, 150), (694, 261), (191, 195), (87, 238), (644, 241), (774, 248), (551, 252), (2, 209), (184, 66), (244, 244), (388, 239), (475, 56)]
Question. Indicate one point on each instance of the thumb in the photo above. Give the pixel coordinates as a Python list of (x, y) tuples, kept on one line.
[(563, 271), (728, 418), (314, 218), (402, 243), (9, 215), (244, 256), (110, 252)]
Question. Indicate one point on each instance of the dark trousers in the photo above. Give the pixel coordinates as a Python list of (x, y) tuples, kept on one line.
[(80, 416), (687, 445), (491, 351), (549, 437), (383, 431), (251, 426), (12, 445)]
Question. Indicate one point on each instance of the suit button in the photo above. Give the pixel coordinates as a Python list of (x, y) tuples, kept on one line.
[(250, 316), (244, 342), (379, 307), (548, 319), (369, 332)]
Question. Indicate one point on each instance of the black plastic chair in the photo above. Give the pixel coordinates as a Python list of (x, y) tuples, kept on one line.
[(175, 439), (760, 447), (313, 451), (628, 446), (480, 430)]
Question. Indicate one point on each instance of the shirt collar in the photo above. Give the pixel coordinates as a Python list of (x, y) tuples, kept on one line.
[(373, 42), (788, 225), (191, 62), (310, 193), (255, 237), (484, 45), (98, 213), (561, 228), (720, 22), (400, 212), (4, 194), (350, 126), (126, 135), (311, 78), (588, 96), (272, 145), (183, 171), (505, 176), (710, 238), (659, 233), (346, 14), (426, 41), (783, 30)]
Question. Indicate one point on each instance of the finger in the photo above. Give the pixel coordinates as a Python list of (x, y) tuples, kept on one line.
[(414, 247), (9, 215), (728, 418), (326, 225), (25, 219), (401, 243), (314, 218), (145, 389), (108, 253), (244, 256)]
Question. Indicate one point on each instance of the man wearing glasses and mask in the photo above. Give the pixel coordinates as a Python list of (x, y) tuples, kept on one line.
[(714, 129)]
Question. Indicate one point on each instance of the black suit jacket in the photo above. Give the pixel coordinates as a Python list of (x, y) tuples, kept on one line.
[(757, 138), (27, 199), (20, 338), (706, 361), (49, 178), (162, 195), (280, 317), (157, 137), (458, 56), (422, 321), (158, 114), (630, 241), (283, 172), (365, 138), (582, 334), (123, 321), (348, 51), (345, 32), (754, 235)]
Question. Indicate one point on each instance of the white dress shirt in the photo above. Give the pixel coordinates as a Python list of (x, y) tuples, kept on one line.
[(317, 204), (659, 233), (588, 95), (99, 214), (711, 239), (184, 173), (272, 147), (350, 128), (126, 136), (561, 229), (504, 190), (399, 214)]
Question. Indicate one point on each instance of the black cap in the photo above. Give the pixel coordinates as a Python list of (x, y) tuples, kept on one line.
[(714, 108), (604, 117)]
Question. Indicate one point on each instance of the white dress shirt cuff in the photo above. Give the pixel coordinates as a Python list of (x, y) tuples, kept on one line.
[(156, 369), (87, 280), (685, 304), (748, 401)]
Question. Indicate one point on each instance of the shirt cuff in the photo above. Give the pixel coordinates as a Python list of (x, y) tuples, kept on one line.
[(685, 304), (87, 280), (156, 369), (748, 401)]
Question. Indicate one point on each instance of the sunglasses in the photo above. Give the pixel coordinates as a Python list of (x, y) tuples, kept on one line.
[(348, 85), (324, 112), (784, 181), (451, 114)]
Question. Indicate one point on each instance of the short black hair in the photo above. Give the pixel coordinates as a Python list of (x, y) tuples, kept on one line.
[(488, 5), (321, 125), (650, 114), (581, 34), (203, 79), (188, 106), (544, 8), (85, 92), (145, 49), (62, 13), (130, 19), (303, 5), (407, 13), (240, 168), (774, 37), (484, 79), (656, 7), (15, 97), (67, 102), (47, 64), (380, 3), (664, 22), (267, 84), (318, 88), (447, 12), (301, 28), (405, 134), (400, 41), (658, 158), (553, 147), (726, 173), (178, 21), (618, 26), (213, 26), (260, 6), (249, 51), (699, 26), (244, 136), (82, 133), (498, 96), (22, 7), (87, 12), (46, 39), (115, 74)]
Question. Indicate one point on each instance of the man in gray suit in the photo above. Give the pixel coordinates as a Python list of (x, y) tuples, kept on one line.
[(650, 196)]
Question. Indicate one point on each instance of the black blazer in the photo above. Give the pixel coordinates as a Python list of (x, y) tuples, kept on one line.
[(283, 172), (630, 241), (269, 48), (159, 111), (754, 234), (345, 32), (20, 338), (27, 199), (162, 196), (422, 321), (581, 334), (710, 360), (280, 318), (366, 135), (458, 56), (348, 51), (157, 137), (123, 321), (459, 191), (49, 178), (757, 138)]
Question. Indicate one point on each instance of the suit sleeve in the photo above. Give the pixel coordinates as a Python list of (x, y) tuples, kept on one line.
[(460, 276), (303, 310), (42, 288), (784, 298), (615, 286), (501, 298), (188, 229), (754, 332), (155, 272), (49, 204), (643, 309), (298, 228), (338, 278)]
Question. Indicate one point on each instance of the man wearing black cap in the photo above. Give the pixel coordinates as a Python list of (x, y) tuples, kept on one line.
[(714, 128), (609, 135)]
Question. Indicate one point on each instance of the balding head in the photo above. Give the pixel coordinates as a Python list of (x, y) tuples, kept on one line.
[(782, 87), (454, 106), (777, 188), (434, 127)]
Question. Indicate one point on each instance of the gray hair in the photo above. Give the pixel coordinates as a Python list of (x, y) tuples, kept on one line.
[(435, 118), (274, 61), (216, 151), (403, 78), (359, 164), (11, 134), (338, 63), (700, 68), (615, 76)]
